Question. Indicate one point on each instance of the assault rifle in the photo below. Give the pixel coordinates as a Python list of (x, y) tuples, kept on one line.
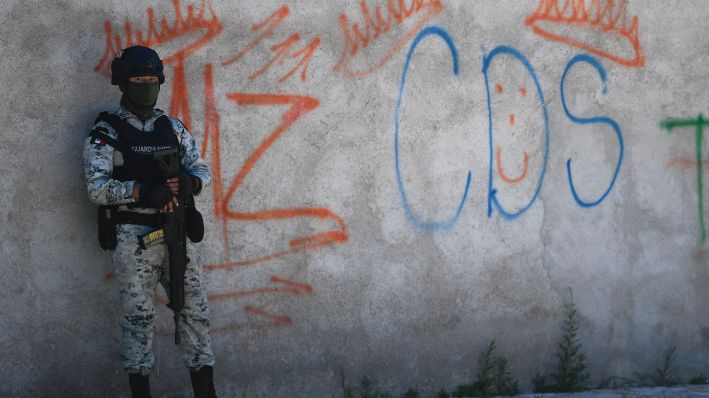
[(175, 236)]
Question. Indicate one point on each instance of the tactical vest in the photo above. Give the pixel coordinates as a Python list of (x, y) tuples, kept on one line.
[(137, 147)]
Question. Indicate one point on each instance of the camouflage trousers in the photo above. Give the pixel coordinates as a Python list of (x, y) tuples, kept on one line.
[(138, 273)]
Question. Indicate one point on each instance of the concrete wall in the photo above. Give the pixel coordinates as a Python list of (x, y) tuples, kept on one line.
[(426, 195)]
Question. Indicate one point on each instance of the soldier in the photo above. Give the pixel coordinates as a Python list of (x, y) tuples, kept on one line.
[(121, 174)]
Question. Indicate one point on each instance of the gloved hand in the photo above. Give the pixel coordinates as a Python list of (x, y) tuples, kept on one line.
[(188, 185), (154, 195), (184, 184)]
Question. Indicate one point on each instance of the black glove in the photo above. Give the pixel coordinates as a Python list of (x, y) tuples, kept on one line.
[(154, 195), (189, 184)]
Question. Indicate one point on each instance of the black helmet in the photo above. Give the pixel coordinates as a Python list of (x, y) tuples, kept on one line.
[(136, 61)]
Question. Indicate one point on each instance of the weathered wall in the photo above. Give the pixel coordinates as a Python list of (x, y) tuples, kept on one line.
[(430, 200)]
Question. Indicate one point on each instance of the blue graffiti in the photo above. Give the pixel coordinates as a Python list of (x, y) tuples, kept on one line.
[(593, 120), (428, 225), (492, 192), (493, 202)]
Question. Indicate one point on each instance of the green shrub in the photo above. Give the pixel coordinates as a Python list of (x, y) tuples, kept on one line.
[(571, 375)]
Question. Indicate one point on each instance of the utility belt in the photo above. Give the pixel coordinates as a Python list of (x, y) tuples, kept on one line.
[(109, 217)]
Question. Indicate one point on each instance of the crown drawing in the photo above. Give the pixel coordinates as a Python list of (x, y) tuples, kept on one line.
[(204, 22), (607, 18)]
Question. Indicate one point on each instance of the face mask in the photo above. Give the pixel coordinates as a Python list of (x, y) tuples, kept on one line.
[(142, 95)]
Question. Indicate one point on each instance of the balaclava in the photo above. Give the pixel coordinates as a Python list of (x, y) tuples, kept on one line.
[(140, 98)]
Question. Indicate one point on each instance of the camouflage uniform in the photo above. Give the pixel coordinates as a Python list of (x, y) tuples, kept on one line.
[(138, 271)]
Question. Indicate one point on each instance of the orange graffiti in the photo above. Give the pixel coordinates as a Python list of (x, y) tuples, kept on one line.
[(291, 288), (298, 106), (608, 18), (200, 28), (686, 163), (182, 26), (283, 49), (501, 89), (307, 55), (503, 176), (357, 37), (275, 321), (273, 22)]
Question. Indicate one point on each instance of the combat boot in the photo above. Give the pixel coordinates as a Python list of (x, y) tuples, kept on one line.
[(139, 385), (203, 382)]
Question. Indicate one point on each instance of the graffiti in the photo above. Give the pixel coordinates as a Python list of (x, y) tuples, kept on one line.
[(501, 90), (274, 321), (204, 22), (283, 50), (375, 25), (494, 202), (290, 287), (493, 193), (512, 180), (384, 29), (182, 26), (685, 163), (525, 168), (357, 37), (605, 18), (413, 218), (698, 124), (201, 28), (298, 106), (593, 120), (270, 25)]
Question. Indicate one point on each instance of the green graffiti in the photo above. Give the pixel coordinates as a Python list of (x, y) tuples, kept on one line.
[(699, 124)]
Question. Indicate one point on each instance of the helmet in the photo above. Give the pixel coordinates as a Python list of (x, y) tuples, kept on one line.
[(136, 61)]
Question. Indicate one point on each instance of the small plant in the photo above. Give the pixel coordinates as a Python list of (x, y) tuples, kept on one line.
[(700, 379), (663, 376), (493, 377), (368, 389), (605, 384), (443, 394), (615, 382), (465, 390), (504, 385), (346, 388), (540, 386), (412, 393), (485, 381), (570, 373)]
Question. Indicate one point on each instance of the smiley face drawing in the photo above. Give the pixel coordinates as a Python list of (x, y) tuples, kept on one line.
[(518, 132)]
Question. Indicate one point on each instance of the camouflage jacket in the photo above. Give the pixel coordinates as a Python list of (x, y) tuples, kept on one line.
[(99, 159)]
